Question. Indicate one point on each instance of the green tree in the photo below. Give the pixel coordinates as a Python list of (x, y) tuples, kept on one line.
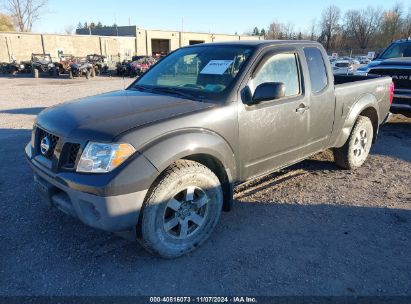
[(79, 25), (99, 25), (256, 32), (262, 33), (6, 25)]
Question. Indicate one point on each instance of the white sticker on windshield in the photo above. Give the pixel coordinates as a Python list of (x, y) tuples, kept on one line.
[(216, 67)]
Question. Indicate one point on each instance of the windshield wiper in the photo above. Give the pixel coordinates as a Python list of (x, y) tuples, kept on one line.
[(141, 88), (177, 92), (167, 90)]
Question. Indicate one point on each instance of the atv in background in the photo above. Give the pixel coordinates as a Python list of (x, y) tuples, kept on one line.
[(63, 65), (123, 68), (136, 67), (79, 67), (99, 63), (139, 66), (14, 67), (42, 63)]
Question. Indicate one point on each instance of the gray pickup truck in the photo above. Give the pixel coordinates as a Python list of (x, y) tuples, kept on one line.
[(158, 161)]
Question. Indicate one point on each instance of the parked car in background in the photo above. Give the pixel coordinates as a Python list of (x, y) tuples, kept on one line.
[(42, 63), (364, 60), (395, 61), (158, 161), (342, 67)]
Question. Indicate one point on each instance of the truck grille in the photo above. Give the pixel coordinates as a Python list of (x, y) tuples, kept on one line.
[(53, 140), (63, 154), (400, 77), (72, 153)]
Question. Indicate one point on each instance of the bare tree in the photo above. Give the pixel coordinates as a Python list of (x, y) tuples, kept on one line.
[(275, 30), (288, 31), (313, 34), (25, 12), (330, 24), (363, 24), (391, 23), (407, 24)]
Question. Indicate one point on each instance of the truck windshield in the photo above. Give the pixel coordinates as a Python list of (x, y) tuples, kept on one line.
[(397, 50), (201, 71)]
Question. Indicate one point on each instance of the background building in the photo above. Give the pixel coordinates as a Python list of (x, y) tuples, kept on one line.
[(117, 43)]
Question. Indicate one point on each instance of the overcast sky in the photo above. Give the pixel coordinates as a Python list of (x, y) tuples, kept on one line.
[(218, 16)]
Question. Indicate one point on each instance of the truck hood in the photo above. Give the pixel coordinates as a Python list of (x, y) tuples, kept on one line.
[(403, 61), (105, 116)]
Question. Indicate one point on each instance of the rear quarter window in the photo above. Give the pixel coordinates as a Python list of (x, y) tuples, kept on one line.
[(317, 69)]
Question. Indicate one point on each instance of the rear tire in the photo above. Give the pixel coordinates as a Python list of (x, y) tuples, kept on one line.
[(355, 151), (181, 210)]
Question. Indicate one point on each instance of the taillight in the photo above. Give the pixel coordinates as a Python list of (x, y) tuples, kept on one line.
[(392, 91)]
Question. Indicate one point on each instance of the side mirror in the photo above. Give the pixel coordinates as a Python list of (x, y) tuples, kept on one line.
[(268, 91)]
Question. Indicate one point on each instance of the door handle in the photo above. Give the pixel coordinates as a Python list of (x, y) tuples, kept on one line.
[(302, 108)]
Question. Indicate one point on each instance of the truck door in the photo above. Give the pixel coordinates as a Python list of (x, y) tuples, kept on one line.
[(322, 100), (272, 133)]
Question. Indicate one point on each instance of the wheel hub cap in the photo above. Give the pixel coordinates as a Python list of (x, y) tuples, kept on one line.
[(185, 213), (360, 144)]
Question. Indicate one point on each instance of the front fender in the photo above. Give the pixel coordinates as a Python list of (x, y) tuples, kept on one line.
[(183, 143), (365, 102)]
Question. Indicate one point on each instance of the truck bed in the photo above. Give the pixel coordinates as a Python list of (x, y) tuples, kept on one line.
[(350, 89)]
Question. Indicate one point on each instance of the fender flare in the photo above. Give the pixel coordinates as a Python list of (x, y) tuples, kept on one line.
[(166, 149), (189, 143), (364, 102)]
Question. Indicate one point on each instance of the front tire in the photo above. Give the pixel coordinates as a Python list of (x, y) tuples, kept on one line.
[(355, 151), (182, 209)]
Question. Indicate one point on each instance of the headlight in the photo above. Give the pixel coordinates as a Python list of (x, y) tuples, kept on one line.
[(102, 158)]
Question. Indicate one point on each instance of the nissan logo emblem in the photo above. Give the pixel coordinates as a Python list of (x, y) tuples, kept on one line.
[(45, 145)]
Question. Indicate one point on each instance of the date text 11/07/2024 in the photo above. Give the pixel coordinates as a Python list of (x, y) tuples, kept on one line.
[(238, 299)]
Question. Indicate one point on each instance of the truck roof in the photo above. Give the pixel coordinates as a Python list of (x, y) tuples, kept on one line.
[(258, 43)]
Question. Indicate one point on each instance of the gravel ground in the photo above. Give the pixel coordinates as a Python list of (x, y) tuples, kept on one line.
[(312, 229)]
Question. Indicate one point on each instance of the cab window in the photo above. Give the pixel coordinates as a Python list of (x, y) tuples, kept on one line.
[(280, 68), (316, 68)]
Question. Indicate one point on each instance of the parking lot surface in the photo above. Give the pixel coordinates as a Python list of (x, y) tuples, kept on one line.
[(311, 229)]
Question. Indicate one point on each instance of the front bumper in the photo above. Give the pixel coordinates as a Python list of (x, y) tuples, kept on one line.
[(113, 213)]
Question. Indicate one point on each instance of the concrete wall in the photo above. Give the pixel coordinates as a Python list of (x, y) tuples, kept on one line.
[(116, 48), (76, 45), (186, 37), (174, 38), (141, 42), (23, 45), (19, 45), (251, 38)]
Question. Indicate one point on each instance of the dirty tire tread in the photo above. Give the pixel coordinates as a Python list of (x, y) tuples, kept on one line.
[(167, 176), (341, 155)]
